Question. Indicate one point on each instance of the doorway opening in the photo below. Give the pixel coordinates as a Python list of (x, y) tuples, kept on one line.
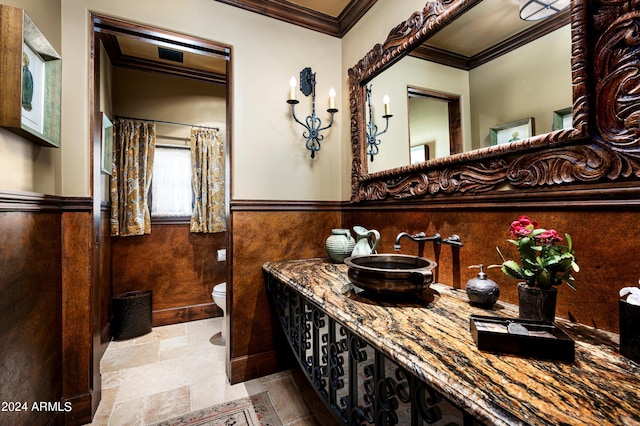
[(433, 113), (192, 82)]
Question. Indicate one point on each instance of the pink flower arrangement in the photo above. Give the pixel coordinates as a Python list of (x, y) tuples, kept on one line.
[(545, 262)]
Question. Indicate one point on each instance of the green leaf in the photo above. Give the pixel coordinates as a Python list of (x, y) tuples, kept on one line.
[(537, 232), (551, 261), (513, 270), (569, 241), (545, 278), (571, 283)]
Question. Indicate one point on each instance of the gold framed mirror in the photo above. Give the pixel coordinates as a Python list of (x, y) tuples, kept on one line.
[(601, 146)]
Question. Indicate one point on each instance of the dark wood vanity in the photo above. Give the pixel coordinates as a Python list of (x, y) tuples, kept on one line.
[(382, 360)]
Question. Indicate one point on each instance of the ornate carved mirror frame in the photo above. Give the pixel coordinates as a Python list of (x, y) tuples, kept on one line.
[(603, 146)]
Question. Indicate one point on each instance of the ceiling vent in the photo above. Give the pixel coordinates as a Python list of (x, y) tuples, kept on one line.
[(170, 55)]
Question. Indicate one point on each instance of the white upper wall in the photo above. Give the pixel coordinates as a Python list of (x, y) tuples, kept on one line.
[(270, 161)]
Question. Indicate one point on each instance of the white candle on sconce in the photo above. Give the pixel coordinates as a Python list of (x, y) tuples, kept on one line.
[(292, 90), (385, 99), (332, 99)]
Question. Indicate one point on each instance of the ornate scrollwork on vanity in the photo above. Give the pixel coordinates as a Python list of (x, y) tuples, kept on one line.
[(358, 383), (603, 145)]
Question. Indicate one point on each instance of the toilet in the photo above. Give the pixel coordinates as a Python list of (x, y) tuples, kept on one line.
[(219, 295)]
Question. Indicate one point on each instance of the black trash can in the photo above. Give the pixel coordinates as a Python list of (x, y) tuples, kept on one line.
[(131, 314)]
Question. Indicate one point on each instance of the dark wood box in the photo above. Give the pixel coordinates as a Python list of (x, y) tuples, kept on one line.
[(629, 332), (543, 340)]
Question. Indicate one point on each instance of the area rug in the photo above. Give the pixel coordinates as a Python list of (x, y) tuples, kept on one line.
[(256, 410)]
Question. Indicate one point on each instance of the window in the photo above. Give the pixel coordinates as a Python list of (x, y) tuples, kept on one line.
[(171, 193)]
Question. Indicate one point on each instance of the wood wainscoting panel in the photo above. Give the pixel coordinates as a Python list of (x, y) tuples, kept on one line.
[(105, 288), (606, 242), (258, 237), (77, 310), (179, 267), (30, 314)]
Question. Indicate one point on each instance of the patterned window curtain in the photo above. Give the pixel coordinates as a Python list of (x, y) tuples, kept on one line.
[(132, 167), (207, 163)]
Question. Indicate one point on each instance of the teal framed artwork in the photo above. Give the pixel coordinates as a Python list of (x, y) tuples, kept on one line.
[(31, 84)]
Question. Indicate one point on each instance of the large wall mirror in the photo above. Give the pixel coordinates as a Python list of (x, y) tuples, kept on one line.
[(484, 101)]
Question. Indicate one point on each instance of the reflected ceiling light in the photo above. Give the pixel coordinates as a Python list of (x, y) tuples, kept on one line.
[(533, 10)]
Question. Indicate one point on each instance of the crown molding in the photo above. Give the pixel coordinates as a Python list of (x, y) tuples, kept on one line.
[(305, 17), (452, 59)]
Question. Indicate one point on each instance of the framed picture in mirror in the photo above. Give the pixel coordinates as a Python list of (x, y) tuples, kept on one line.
[(563, 119), (31, 84), (419, 153), (512, 132)]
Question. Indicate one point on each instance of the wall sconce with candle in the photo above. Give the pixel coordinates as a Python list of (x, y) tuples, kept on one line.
[(313, 124), (372, 129)]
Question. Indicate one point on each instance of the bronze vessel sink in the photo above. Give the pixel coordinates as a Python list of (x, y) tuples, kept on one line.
[(390, 273)]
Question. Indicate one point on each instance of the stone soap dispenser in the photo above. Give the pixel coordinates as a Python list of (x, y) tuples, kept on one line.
[(481, 290), (340, 244)]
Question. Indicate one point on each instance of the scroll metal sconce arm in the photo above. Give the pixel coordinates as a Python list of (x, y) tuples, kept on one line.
[(372, 128), (312, 124)]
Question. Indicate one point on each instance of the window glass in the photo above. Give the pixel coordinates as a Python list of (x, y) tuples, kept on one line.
[(171, 193)]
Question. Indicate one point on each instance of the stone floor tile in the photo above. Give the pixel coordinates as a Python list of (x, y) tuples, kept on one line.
[(287, 401), (166, 405), (180, 368), (129, 357)]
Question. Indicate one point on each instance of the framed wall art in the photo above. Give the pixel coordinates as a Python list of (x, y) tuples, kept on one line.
[(107, 143), (31, 83), (512, 132)]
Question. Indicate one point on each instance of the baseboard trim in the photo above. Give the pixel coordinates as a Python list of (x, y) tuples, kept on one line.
[(185, 313), (80, 413), (250, 367)]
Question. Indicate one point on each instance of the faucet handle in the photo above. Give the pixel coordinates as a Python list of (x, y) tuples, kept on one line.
[(453, 240)]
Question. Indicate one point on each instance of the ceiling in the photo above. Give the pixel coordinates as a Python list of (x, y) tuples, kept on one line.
[(490, 28), (487, 23)]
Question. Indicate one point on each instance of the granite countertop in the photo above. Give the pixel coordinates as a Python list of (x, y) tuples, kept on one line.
[(430, 336)]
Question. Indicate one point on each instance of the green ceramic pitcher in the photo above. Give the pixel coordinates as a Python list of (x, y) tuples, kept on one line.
[(366, 240)]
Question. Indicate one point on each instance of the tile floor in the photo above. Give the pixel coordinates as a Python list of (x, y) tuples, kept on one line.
[(180, 368)]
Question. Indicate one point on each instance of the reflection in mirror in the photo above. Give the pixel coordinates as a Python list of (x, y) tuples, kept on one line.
[(532, 80), (434, 123), (373, 132), (601, 145), (429, 77)]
